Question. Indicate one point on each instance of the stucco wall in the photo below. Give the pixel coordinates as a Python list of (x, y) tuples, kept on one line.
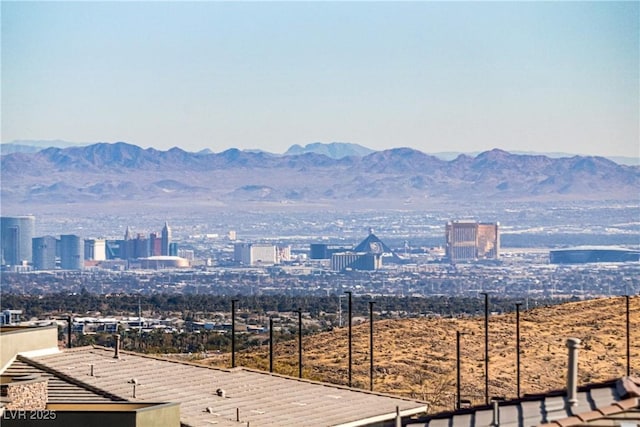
[(14, 340)]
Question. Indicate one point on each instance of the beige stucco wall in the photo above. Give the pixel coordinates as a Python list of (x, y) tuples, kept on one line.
[(14, 340), (166, 415)]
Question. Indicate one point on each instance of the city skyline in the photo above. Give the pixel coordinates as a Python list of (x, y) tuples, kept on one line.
[(434, 76)]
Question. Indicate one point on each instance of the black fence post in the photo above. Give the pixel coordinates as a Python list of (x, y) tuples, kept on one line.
[(270, 344), (350, 336), (371, 303), (299, 343), (518, 304), (233, 332), (486, 347)]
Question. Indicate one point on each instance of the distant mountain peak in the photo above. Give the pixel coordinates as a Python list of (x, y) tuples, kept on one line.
[(58, 143), (334, 150)]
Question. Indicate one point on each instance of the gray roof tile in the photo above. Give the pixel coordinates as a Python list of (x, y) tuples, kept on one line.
[(599, 405), (58, 389), (262, 398)]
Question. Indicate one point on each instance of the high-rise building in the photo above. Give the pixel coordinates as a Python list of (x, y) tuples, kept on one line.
[(283, 254), (44, 253), (254, 254), (95, 249), (155, 245), (115, 249), (242, 253), (173, 249), (71, 252), (472, 241), (126, 245), (128, 235), (488, 240), (166, 239), (16, 234), (140, 246)]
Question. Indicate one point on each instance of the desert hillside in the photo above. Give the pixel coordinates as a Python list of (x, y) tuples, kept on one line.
[(417, 357)]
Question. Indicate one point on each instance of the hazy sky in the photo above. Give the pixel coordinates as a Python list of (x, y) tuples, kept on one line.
[(436, 76)]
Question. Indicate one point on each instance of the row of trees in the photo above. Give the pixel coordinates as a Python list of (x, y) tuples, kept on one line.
[(193, 305), (158, 341)]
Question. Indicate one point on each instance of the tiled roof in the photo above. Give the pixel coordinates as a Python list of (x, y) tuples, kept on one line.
[(627, 411), (59, 390), (595, 402), (260, 398)]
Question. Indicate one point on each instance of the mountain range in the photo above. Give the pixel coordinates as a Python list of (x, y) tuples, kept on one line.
[(106, 173), (334, 150)]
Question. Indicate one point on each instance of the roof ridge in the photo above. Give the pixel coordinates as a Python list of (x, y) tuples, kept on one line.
[(164, 359), (74, 349), (69, 379)]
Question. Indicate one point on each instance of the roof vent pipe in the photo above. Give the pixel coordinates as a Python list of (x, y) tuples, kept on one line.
[(573, 344), (496, 413), (116, 355), (69, 325)]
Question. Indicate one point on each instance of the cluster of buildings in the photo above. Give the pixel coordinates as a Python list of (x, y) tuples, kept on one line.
[(22, 251), (141, 246), (464, 242), (366, 256)]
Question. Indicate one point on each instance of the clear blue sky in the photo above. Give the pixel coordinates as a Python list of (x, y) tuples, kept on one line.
[(435, 76)]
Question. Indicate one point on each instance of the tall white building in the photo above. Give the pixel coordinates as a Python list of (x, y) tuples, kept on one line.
[(254, 254), (95, 249)]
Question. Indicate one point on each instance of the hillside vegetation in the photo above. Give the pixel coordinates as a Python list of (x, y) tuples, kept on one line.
[(417, 357)]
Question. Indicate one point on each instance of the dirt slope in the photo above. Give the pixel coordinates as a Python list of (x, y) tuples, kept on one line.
[(416, 357)]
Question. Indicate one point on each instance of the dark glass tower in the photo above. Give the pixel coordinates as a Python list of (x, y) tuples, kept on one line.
[(16, 234), (71, 252)]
